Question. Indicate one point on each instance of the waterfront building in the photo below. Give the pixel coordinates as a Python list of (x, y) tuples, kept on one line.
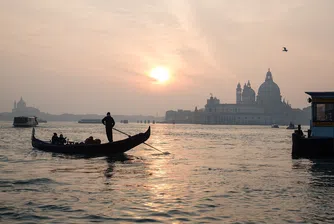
[(217, 113), (267, 107), (179, 116)]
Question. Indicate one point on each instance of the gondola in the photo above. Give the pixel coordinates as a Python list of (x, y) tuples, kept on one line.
[(106, 149)]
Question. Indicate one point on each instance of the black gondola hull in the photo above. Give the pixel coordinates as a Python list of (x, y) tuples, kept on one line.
[(106, 149)]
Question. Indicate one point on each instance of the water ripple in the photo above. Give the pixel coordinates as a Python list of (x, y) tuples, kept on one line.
[(37, 181)]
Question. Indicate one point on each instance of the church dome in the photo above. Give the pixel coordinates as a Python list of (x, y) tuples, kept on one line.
[(248, 91), (269, 90), (251, 92), (21, 104), (248, 94)]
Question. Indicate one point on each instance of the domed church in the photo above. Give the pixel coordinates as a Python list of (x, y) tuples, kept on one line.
[(21, 109), (269, 98), (264, 109)]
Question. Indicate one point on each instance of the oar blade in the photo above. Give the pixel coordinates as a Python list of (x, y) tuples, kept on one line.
[(164, 153)]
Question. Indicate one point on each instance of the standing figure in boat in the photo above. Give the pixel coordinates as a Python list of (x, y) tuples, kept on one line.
[(299, 131), (109, 122)]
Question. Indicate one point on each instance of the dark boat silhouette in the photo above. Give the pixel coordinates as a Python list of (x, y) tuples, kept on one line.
[(291, 126), (90, 121), (105, 149), (25, 121), (274, 126), (319, 142)]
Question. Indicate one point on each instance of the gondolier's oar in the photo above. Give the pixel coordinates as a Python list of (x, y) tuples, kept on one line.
[(166, 153)]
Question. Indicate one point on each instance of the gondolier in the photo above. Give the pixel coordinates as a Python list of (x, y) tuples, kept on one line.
[(109, 122)]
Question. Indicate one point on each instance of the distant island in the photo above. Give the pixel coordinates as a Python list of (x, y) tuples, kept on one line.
[(21, 109)]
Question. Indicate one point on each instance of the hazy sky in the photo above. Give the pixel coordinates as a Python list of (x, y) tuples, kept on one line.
[(94, 56)]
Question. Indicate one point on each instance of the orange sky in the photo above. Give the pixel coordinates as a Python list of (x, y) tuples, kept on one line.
[(93, 56)]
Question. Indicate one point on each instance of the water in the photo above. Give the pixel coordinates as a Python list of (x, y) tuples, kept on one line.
[(214, 174)]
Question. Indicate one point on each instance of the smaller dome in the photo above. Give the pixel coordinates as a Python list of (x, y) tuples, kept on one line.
[(248, 94), (248, 91), (252, 92)]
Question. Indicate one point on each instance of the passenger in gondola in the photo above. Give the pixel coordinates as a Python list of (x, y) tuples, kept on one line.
[(89, 140), (97, 141), (61, 140), (55, 138)]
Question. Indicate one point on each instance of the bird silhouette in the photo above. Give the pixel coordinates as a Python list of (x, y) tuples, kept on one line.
[(284, 49)]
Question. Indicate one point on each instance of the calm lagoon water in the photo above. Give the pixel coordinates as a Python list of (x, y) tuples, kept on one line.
[(214, 174)]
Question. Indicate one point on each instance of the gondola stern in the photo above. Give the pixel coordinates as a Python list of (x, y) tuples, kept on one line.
[(148, 132), (33, 134)]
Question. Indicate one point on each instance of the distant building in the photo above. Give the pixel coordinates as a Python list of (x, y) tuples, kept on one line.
[(265, 108), (275, 110), (179, 116), (21, 109), (242, 113)]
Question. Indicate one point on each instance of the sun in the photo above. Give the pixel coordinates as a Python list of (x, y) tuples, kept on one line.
[(160, 74)]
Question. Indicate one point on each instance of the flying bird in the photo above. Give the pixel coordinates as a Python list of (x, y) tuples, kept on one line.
[(284, 49)]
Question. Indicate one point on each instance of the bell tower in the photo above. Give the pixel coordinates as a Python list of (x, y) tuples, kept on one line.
[(238, 94)]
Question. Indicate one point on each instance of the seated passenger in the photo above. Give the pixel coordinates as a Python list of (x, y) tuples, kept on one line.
[(89, 140), (62, 140), (97, 141), (55, 138)]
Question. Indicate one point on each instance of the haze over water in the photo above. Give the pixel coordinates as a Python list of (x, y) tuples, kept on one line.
[(214, 174)]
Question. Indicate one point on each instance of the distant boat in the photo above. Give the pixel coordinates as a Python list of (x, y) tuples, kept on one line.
[(40, 120), (291, 126), (25, 121), (274, 126), (90, 121)]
